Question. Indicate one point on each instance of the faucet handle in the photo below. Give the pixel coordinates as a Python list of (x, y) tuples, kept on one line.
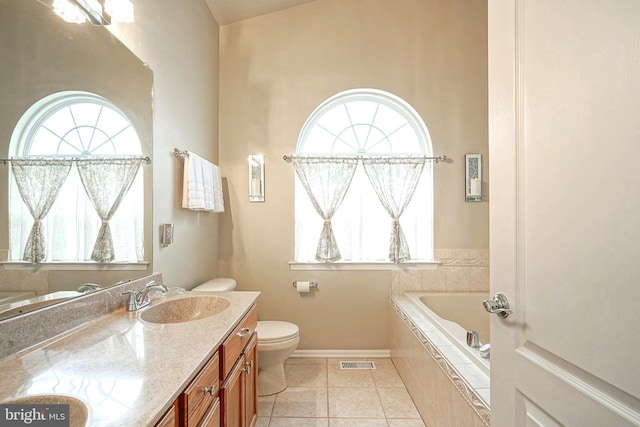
[(473, 339), (132, 304)]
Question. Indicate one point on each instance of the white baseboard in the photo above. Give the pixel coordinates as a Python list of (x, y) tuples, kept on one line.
[(344, 354)]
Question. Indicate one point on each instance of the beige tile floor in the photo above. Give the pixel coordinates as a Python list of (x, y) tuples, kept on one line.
[(320, 394)]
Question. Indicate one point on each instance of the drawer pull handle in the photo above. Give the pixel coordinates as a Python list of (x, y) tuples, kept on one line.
[(211, 391), (244, 332), (248, 365)]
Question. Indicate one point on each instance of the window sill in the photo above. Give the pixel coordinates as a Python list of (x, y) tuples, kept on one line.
[(363, 266), (112, 266)]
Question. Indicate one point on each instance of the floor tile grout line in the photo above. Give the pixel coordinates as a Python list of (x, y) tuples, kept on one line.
[(327, 387)]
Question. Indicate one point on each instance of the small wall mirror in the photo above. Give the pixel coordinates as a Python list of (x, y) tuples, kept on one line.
[(256, 178)]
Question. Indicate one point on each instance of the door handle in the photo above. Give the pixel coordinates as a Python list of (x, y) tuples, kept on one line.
[(498, 305)]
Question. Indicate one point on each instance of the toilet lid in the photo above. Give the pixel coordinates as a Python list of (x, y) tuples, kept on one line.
[(220, 284), (275, 330)]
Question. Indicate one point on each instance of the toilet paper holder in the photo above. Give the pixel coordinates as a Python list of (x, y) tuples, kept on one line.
[(312, 285)]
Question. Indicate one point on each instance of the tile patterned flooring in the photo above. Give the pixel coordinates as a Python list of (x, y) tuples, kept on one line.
[(320, 394)]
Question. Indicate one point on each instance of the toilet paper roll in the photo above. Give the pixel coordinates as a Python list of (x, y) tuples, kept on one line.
[(302, 287)]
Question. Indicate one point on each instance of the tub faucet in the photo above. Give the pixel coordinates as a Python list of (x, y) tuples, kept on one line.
[(140, 298), (89, 287), (485, 351), (473, 339)]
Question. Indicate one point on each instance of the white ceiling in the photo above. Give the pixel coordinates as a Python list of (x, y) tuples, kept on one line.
[(228, 11)]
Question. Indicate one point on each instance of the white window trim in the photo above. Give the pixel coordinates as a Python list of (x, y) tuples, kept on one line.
[(417, 124), (75, 266), (363, 266), (21, 140)]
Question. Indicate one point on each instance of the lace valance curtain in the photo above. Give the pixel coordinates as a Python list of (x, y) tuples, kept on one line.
[(105, 180), (326, 180)]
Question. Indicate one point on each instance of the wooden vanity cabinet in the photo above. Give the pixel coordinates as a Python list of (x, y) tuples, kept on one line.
[(251, 382), (238, 392), (170, 418), (239, 367), (200, 400), (206, 403), (212, 419)]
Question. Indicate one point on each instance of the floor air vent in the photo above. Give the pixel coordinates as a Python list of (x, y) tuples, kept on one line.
[(357, 365)]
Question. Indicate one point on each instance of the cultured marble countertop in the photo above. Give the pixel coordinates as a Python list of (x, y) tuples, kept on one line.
[(128, 372)]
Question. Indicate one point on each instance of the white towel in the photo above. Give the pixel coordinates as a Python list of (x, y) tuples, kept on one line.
[(202, 185)]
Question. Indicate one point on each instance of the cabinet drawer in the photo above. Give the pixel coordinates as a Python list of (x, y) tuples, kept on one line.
[(197, 397), (170, 418), (212, 419), (234, 344)]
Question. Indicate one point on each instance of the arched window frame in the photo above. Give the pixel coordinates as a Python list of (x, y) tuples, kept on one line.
[(128, 222), (418, 217)]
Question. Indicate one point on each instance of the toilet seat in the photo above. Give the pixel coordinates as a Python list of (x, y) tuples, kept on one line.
[(275, 331)]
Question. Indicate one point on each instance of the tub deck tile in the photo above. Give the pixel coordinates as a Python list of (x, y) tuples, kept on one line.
[(465, 379)]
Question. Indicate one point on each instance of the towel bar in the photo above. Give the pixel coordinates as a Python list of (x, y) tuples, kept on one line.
[(180, 153)]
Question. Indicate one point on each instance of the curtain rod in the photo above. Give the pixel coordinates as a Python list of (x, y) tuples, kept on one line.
[(145, 159), (289, 158)]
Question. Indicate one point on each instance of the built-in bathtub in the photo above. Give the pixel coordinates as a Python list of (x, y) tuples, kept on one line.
[(429, 328)]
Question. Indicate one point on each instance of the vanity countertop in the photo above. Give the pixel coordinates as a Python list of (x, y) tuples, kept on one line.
[(128, 372)]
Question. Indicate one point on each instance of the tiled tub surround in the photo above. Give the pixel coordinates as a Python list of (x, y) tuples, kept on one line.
[(451, 311), (460, 270), (447, 387), (126, 371), (26, 280)]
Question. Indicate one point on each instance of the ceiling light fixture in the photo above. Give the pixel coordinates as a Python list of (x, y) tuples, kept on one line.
[(119, 10), (98, 12)]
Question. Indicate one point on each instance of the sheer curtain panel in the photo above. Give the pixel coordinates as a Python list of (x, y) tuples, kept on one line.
[(39, 182), (106, 182), (394, 180), (326, 180)]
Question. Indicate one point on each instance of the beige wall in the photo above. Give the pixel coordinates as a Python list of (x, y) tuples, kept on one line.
[(274, 71), (179, 41)]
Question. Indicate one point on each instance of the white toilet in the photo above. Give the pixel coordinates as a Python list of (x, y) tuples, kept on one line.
[(276, 341)]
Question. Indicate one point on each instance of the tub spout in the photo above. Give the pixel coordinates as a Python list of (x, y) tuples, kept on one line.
[(485, 351)]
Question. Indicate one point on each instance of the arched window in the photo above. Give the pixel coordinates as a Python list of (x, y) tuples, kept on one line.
[(77, 124), (366, 122)]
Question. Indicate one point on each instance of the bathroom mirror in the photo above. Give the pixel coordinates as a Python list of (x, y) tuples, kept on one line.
[(42, 55)]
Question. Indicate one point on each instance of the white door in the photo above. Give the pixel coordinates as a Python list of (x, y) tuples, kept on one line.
[(564, 113)]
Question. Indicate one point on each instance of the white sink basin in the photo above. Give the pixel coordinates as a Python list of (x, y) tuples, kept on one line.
[(185, 309)]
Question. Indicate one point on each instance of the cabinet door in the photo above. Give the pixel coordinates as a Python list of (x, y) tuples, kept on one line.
[(232, 396), (250, 381)]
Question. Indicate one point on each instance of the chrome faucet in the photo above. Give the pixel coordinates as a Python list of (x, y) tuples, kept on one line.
[(89, 287), (140, 298)]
